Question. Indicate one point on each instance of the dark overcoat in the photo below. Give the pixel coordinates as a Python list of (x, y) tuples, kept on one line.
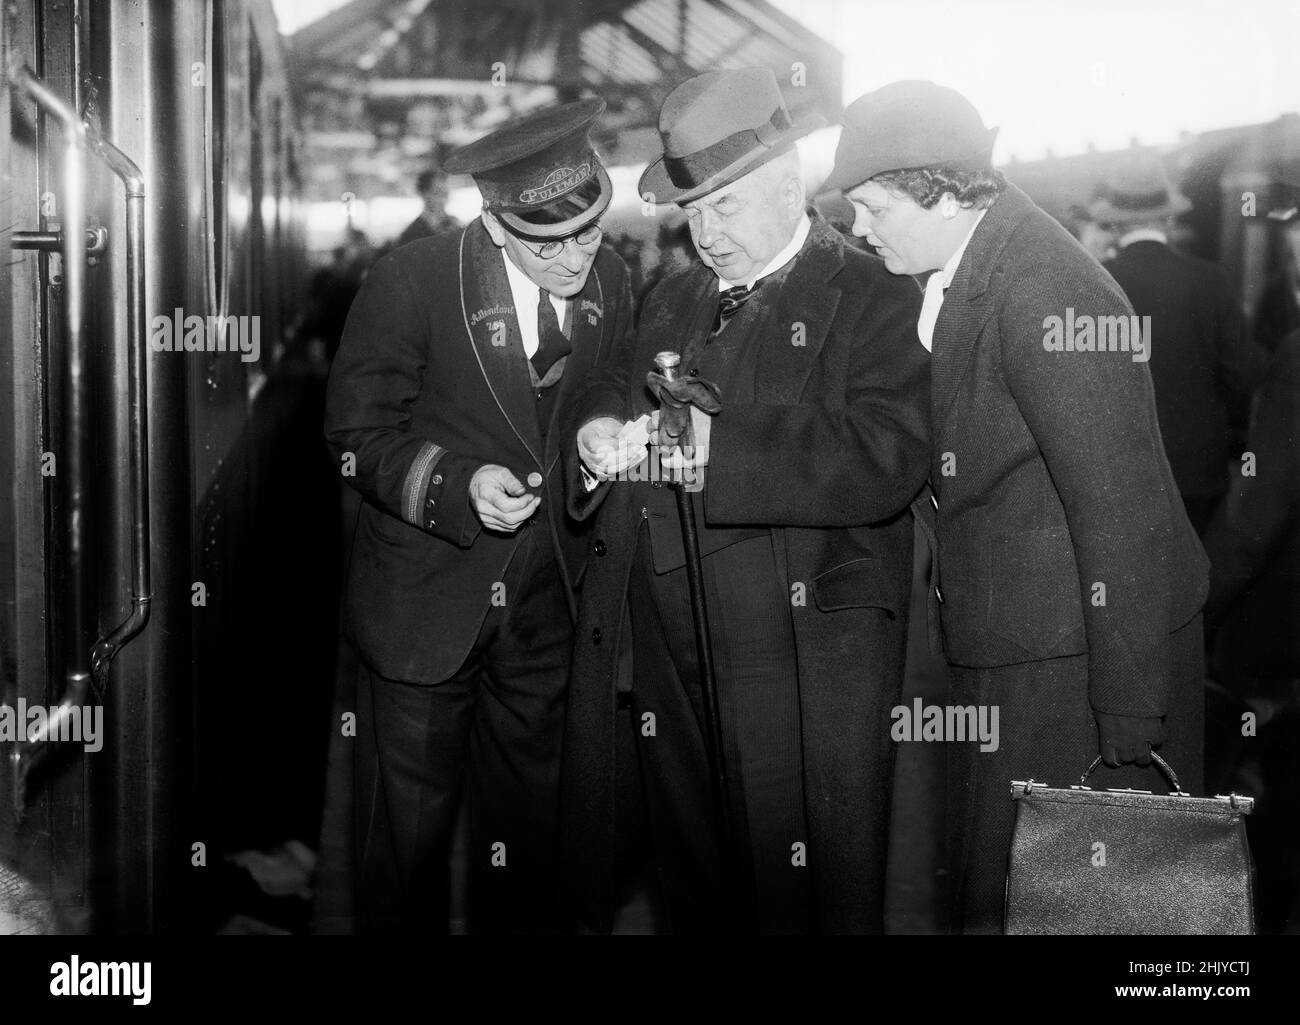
[(1203, 366), (430, 383), (1050, 473), (828, 455), (1254, 544)]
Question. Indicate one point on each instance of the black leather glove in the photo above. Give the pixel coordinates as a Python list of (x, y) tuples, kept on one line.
[(1128, 739), (675, 400)]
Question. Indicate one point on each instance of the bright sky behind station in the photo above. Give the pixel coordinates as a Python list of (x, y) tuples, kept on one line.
[(1061, 74), (1058, 74)]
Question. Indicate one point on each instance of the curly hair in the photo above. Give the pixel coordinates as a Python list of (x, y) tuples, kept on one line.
[(925, 185)]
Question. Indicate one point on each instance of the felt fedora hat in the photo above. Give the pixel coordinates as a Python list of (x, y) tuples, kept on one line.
[(1137, 189), (716, 128), (909, 124), (539, 174)]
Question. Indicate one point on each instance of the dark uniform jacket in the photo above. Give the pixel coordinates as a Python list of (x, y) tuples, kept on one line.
[(1203, 366), (825, 458), (1050, 474), (431, 383)]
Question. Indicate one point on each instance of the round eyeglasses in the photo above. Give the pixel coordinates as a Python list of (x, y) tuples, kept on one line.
[(550, 250)]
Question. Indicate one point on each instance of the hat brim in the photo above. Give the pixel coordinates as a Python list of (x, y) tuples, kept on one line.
[(561, 229), (656, 183), (1105, 212), (847, 174)]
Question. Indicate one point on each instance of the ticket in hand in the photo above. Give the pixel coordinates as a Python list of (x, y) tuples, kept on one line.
[(634, 434)]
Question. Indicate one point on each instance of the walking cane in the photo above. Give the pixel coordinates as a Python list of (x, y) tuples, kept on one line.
[(675, 424)]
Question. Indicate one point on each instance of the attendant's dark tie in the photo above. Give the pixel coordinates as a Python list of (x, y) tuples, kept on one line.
[(552, 343), (730, 301)]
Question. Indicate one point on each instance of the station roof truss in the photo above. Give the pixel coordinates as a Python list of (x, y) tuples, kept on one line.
[(423, 76)]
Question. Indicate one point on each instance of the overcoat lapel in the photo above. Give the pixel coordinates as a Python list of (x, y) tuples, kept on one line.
[(967, 305), (804, 311), (493, 329), (683, 325)]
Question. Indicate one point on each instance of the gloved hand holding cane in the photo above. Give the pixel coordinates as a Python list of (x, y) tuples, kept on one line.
[(676, 396)]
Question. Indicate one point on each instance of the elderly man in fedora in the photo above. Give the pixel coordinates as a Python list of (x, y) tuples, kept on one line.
[(1203, 365), (808, 471), (459, 355), (1067, 580)]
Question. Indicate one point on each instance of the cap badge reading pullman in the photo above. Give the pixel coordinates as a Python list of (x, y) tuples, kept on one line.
[(558, 182), (539, 174)]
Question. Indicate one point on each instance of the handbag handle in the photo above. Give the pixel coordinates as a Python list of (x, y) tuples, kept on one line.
[(1160, 762)]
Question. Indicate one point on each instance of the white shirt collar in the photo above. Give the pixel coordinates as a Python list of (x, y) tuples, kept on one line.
[(525, 292), (1143, 235), (950, 268), (780, 259)]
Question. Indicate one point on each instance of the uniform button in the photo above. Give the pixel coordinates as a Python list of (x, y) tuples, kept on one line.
[(938, 594), (645, 515), (595, 636), (437, 478), (598, 547), (657, 484), (539, 396), (695, 372), (430, 503), (431, 524), (534, 480)]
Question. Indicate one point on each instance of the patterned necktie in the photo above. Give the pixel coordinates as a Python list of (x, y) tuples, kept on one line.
[(730, 301), (930, 309), (552, 343)]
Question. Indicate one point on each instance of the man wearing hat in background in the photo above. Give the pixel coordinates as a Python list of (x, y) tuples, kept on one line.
[(1068, 581), (1203, 367), (458, 355), (808, 470)]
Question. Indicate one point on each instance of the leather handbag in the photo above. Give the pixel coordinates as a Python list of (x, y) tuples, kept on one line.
[(1128, 861)]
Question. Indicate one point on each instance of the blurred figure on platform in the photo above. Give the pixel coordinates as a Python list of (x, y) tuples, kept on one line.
[(334, 287), (1279, 306), (1099, 242), (432, 188), (1251, 616), (1203, 366)]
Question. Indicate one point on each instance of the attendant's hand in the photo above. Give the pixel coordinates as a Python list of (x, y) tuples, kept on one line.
[(1128, 739), (598, 448), (500, 499)]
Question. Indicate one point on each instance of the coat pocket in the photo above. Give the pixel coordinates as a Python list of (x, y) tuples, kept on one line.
[(1034, 599), (855, 584)]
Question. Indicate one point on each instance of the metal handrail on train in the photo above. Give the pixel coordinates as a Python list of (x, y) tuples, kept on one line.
[(87, 666), (138, 409)]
